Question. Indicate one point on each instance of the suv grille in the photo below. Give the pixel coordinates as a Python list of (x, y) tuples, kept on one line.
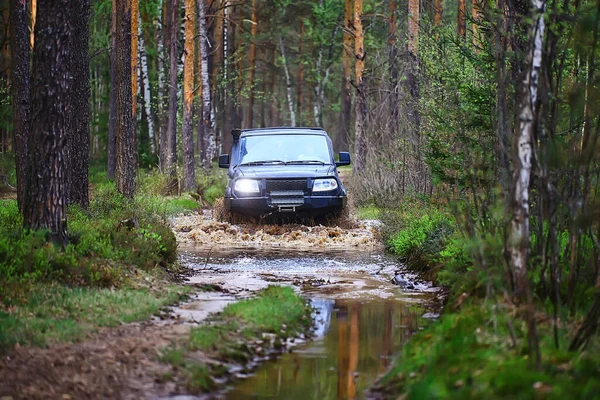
[(284, 185)]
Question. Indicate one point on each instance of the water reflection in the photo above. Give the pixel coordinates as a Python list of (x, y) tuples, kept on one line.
[(359, 341)]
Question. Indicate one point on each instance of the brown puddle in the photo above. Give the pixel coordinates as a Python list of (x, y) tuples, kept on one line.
[(361, 319), (357, 345)]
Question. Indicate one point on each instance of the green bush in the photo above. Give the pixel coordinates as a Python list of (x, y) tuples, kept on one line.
[(421, 237), (105, 241)]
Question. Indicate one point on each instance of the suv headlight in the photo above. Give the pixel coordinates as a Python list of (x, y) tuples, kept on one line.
[(246, 186), (323, 185)]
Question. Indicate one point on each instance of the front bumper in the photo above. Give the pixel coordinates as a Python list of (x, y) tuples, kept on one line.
[(264, 205)]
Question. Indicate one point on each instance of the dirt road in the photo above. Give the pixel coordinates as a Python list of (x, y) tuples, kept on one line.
[(323, 262)]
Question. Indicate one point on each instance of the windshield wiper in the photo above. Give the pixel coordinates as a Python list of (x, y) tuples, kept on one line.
[(306, 162), (262, 162)]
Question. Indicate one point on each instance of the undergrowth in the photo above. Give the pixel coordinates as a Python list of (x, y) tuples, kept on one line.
[(470, 355), (276, 310), (109, 241), (52, 313)]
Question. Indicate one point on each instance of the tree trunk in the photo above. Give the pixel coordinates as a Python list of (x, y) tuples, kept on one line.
[(360, 145), (208, 135), (125, 140), (462, 18), (251, 72), (218, 70), (135, 22), (300, 76), (272, 94), (523, 145), (45, 205), (288, 81), (20, 76), (519, 239), (393, 62), (162, 42), (172, 30), (439, 9), (413, 26), (34, 12), (146, 136), (79, 132), (343, 133), (145, 68), (189, 165), (112, 118), (475, 11)]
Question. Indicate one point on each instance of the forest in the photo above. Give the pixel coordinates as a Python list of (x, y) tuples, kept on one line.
[(473, 128)]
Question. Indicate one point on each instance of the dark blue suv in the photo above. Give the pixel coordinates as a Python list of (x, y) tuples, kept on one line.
[(283, 170)]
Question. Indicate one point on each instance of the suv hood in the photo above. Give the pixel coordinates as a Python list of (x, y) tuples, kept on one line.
[(284, 171)]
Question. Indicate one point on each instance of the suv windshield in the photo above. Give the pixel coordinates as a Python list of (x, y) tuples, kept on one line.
[(292, 149)]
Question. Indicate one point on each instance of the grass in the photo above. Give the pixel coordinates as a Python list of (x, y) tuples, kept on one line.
[(276, 310), (469, 355), (52, 313), (369, 211)]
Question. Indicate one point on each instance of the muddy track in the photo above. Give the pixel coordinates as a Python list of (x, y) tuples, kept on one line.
[(122, 362)]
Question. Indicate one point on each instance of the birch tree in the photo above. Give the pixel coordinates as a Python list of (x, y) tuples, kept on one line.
[(519, 239), (207, 137), (288, 82)]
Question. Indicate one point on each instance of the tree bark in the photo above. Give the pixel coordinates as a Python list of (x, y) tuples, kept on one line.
[(360, 145), (46, 200), (172, 30), (439, 9), (208, 134), (300, 76), (251, 72), (475, 11), (519, 239), (523, 145), (189, 165), (20, 76), (135, 22), (145, 68), (162, 42), (112, 113), (288, 82), (146, 146), (125, 140), (393, 62), (343, 133), (33, 18), (413, 26), (462, 18), (79, 132)]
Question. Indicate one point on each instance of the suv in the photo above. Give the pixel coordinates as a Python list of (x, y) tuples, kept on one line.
[(283, 170)]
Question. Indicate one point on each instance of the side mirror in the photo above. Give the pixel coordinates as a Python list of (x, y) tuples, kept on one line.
[(224, 161), (344, 159)]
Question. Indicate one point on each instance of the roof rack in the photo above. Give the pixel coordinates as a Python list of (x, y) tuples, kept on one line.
[(270, 128)]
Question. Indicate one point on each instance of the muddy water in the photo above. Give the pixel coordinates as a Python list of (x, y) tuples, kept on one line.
[(361, 318)]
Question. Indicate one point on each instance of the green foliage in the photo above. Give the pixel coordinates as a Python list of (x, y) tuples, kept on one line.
[(274, 306), (105, 242), (211, 186), (420, 234), (468, 355), (276, 309), (56, 314)]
